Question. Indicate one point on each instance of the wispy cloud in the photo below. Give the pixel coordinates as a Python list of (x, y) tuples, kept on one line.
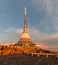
[(12, 35), (50, 39), (45, 41), (51, 9), (45, 4)]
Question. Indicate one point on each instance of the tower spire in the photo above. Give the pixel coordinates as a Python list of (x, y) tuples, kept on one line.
[(25, 24), (25, 38), (25, 11)]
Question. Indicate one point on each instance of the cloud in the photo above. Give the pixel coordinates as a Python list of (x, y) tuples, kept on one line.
[(55, 23), (53, 48), (47, 41), (50, 39), (10, 35), (50, 22), (13, 34), (46, 4), (34, 33)]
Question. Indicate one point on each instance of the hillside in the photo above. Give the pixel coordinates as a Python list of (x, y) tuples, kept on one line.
[(27, 60)]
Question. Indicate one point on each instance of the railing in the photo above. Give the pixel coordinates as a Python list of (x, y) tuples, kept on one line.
[(42, 54)]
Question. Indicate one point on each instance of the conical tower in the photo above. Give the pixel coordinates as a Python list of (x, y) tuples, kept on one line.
[(25, 38)]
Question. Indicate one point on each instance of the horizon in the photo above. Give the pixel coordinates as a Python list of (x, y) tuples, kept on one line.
[(42, 21)]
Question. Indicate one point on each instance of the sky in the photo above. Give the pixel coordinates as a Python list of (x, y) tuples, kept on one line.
[(42, 21)]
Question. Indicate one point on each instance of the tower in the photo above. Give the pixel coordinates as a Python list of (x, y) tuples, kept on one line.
[(25, 40)]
